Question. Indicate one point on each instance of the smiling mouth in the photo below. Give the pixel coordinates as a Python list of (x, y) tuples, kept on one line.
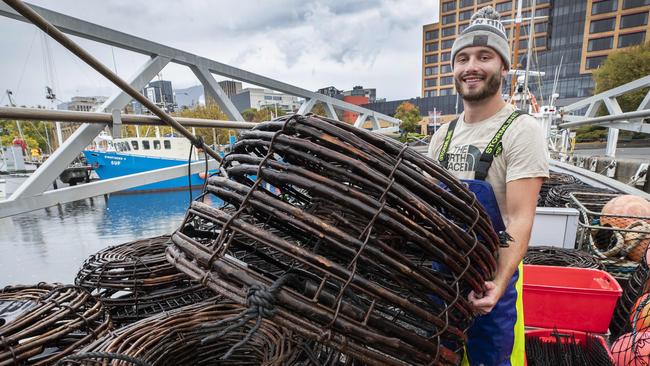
[(471, 80)]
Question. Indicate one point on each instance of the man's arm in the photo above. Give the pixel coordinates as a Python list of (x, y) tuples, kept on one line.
[(521, 200)]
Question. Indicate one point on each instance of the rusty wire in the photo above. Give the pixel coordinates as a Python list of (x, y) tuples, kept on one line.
[(184, 337), (41, 324), (356, 221), (134, 280)]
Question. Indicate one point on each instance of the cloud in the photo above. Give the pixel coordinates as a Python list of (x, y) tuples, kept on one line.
[(310, 44)]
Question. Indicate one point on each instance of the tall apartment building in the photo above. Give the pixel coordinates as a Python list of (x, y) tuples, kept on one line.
[(576, 34)]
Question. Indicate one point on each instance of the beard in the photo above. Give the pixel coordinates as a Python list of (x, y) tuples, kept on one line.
[(491, 87)]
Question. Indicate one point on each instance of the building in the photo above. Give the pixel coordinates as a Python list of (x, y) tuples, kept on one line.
[(330, 91), (231, 87), (78, 104), (161, 93), (259, 98), (577, 34)]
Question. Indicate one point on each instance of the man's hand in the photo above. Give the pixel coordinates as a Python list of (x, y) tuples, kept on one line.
[(485, 302)]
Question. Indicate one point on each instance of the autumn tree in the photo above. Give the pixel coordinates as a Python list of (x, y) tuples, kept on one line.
[(209, 111), (409, 114)]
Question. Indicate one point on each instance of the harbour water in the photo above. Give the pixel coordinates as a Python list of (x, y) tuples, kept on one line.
[(51, 244)]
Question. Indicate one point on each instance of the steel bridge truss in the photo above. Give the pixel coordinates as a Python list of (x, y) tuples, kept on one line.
[(617, 119), (33, 194)]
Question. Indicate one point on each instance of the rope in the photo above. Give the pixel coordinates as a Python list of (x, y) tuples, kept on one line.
[(261, 304)]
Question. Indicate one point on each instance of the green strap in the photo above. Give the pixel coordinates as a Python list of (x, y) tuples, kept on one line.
[(493, 148)]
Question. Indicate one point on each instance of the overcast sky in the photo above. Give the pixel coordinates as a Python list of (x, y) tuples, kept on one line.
[(310, 44)]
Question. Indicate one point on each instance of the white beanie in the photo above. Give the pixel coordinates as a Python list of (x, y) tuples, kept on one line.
[(485, 29)]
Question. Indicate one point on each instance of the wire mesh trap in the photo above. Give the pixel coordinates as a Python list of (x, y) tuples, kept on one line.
[(637, 285), (554, 180), (559, 195), (134, 280), (566, 349), (561, 257), (196, 334), (353, 240), (43, 323), (618, 240)]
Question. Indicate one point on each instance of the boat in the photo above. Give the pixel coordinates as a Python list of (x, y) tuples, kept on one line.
[(124, 156)]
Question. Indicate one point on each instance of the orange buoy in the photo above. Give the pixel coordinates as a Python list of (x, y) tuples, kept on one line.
[(640, 318), (632, 349), (627, 205), (202, 175)]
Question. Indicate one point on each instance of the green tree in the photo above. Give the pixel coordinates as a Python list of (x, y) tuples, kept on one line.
[(410, 116), (249, 114), (209, 111), (622, 67)]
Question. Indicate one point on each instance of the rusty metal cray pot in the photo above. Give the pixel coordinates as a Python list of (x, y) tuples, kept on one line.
[(134, 280), (41, 324), (351, 224), (178, 338)]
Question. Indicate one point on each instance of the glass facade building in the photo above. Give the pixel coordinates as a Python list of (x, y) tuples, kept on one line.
[(576, 34)]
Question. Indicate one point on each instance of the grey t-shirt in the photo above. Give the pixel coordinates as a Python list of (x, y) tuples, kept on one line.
[(524, 153)]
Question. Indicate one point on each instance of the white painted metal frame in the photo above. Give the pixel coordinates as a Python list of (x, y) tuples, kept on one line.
[(608, 98), (31, 195)]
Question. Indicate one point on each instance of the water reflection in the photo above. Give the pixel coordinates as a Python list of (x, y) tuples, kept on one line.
[(51, 244)]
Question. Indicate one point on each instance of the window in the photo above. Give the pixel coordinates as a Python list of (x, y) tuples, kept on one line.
[(541, 27), (600, 44), (448, 6), (447, 91), (448, 19), (268, 97), (446, 56), (430, 47), (461, 27), (464, 15), (447, 43), (627, 4), (446, 80), (167, 144), (595, 62), (466, 3), (135, 144), (602, 25), (430, 93), (433, 70), (277, 98), (430, 59), (634, 20), (523, 43), (544, 12), (445, 69), (156, 144), (540, 42), (449, 31), (430, 82), (601, 7), (503, 7), (630, 39), (145, 144), (429, 35), (483, 1)]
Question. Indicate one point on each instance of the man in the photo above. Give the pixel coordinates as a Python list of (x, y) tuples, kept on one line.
[(491, 142)]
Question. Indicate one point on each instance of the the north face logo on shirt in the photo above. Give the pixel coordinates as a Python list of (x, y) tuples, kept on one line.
[(463, 158)]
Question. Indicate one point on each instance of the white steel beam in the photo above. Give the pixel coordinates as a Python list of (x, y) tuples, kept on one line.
[(38, 182), (122, 40), (615, 92), (307, 106), (82, 191), (361, 119), (214, 90), (329, 110), (612, 134)]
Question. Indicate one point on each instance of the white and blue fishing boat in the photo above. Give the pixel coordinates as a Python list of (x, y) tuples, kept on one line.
[(124, 156)]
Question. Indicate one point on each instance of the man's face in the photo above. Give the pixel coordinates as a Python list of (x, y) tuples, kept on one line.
[(477, 73)]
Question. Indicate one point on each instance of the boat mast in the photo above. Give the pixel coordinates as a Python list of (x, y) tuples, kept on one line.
[(531, 35), (515, 56)]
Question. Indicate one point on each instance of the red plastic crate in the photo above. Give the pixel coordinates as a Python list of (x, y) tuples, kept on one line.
[(569, 298), (550, 335)]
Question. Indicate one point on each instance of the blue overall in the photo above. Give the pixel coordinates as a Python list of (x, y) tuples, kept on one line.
[(497, 338)]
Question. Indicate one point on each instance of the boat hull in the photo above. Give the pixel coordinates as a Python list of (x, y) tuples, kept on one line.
[(112, 164)]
